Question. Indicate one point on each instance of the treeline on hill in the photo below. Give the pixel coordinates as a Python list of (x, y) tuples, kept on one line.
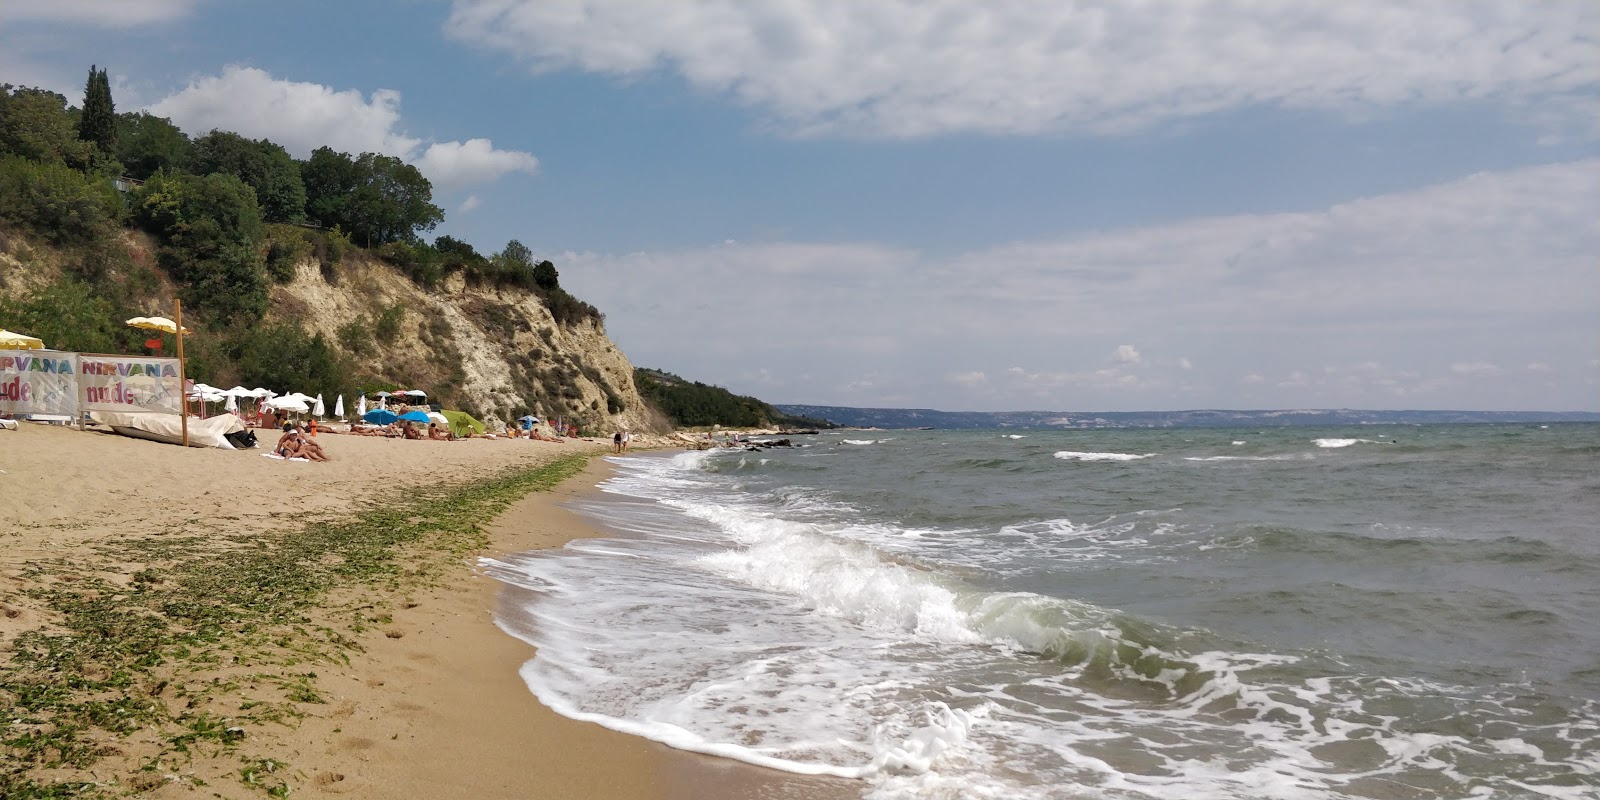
[(691, 404), (229, 216)]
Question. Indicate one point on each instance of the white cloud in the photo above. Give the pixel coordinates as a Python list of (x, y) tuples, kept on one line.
[(1476, 369), (902, 68), (101, 13), (1539, 366), (472, 161), (1252, 379), (1127, 354), (1410, 278), (1184, 364), (969, 379), (470, 203), (303, 116)]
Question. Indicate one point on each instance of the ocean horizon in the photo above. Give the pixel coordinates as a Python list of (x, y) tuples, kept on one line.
[(1176, 613)]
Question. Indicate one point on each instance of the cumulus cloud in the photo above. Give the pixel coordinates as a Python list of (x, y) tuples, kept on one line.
[(1127, 354), (1184, 364), (472, 161), (100, 13), (903, 68), (302, 116), (470, 203), (1392, 286)]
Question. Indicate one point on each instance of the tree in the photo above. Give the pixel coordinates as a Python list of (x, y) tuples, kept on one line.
[(375, 198), (262, 165), (212, 236), (545, 276), (98, 122), (147, 144), (35, 124)]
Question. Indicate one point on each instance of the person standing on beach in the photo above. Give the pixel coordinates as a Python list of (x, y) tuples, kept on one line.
[(616, 442), (627, 438)]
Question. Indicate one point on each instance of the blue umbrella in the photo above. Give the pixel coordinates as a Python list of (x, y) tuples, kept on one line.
[(415, 416), (380, 416)]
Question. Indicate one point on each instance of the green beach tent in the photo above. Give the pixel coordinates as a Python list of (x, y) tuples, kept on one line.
[(461, 422)]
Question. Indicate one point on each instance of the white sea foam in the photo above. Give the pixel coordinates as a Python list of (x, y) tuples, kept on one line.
[(1013, 436), (862, 441), (1237, 442), (1073, 455), (1344, 442), (730, 627)]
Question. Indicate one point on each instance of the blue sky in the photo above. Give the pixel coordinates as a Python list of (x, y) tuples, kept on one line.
[(990, 206)]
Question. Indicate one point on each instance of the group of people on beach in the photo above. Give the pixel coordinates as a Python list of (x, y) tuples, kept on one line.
[(297, 443), (620, 441)]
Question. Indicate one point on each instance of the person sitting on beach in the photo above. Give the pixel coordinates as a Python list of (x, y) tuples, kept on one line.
[(310, 449), (437, 435), (288, 445), (410, 432)]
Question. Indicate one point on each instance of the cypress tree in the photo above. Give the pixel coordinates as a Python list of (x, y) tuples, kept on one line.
[(99, 121)]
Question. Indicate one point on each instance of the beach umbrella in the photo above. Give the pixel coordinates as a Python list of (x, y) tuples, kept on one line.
[(232, 403), (383, 394), (288, 404), (415, 416), (317, 408), (461, 422), (260, 392), (380, 416), (10, 340), (155, 324), (438, 418), (414, 393), (361, 406), (338, 407)]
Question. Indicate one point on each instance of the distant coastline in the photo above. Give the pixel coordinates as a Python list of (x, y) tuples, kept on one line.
[(1198, 418)]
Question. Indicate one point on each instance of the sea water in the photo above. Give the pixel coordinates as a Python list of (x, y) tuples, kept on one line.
[(1378, 612)]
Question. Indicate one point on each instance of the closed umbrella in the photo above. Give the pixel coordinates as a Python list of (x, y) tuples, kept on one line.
[(361, 407), (338, 407), (316, 408), (233, 402)]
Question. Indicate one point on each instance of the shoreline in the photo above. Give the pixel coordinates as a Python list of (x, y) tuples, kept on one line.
[(392, 685), (470, 727)]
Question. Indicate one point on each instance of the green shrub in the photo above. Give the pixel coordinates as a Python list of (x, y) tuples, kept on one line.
[(287, 246), (283, 356), (72, 315), (387, 325), (58, 202), (355, 336)]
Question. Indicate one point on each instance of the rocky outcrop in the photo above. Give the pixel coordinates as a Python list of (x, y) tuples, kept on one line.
[(496, 353)]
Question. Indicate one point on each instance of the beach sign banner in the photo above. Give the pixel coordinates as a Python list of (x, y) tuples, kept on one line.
[(130, 384), (38, 382)]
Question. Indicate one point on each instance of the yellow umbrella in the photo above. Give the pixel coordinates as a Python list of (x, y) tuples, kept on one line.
[(19, 341), (156, 324)]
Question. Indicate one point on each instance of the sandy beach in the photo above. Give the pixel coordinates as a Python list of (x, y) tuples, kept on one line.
[(398, 687)]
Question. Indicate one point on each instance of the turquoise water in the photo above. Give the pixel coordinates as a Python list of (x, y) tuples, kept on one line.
[(1373, 612)]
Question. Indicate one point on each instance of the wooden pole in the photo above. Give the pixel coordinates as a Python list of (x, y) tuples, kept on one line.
[(183, 384)]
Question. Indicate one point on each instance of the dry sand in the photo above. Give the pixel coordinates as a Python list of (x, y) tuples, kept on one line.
[(431, 706)]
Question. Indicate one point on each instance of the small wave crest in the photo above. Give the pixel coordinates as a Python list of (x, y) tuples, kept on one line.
[(1073, 455), (1344, 442)]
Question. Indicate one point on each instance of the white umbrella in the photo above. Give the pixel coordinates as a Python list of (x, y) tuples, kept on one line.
[(434, 416), (383, 394), (260, 392), (316, 408), (338, 407), (288, 404), (415, 393), (240, 391), (233, 402), (361, 406)]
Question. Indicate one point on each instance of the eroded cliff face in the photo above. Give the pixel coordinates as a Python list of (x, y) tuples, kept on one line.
[(496, 353)]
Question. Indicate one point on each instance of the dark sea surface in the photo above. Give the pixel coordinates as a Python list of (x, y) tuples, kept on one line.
[(1372, 612)]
